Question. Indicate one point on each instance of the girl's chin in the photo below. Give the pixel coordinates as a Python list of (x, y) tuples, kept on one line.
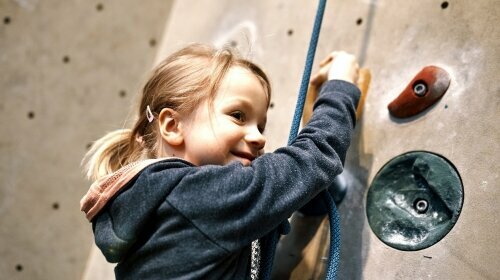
[(244, 161)]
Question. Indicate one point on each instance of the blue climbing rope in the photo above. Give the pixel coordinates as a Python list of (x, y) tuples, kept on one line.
[(301, 99), (269, 242), (334, 255)]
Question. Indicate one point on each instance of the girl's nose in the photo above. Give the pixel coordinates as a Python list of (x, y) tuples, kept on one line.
[(255, 138)]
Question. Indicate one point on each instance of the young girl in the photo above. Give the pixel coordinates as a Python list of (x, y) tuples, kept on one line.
[(183, 194)]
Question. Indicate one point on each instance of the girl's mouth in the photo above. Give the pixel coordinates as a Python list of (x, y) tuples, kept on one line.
[(244, 155)]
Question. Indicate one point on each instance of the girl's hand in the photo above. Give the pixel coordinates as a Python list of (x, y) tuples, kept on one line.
[(338, 66)]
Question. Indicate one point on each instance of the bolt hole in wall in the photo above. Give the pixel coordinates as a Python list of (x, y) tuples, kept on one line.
[(66, 59), (6, 20), (55, 205), (19, 267), (87, 147), (99, 7), (271, 105), (31, 115), (444, 5), (152, 42), (290, 32), (359, 21), (122, 93)]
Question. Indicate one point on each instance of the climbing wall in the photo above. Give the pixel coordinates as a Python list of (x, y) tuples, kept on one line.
[(69, 72), (397, 41)]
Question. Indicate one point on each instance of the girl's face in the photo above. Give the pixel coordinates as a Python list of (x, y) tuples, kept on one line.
[(231, 129)]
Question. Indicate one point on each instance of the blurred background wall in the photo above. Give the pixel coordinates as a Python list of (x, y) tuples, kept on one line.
[(71, 70)]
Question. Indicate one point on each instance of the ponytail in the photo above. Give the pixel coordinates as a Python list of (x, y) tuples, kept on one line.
[(110, 153)]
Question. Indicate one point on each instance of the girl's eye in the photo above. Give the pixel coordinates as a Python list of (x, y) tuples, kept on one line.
[(238, 115)]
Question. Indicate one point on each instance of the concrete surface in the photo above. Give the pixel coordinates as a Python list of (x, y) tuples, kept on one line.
[(462, 127), (394, 39), (69, 71)]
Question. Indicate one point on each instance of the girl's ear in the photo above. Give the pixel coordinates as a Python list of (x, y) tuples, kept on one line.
[(170, 127)]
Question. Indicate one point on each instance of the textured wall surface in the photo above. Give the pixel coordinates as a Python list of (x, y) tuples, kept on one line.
[(463, 38), (53, 109), (69, 71)]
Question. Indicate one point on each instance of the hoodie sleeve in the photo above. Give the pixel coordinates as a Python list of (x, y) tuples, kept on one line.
[(234, 204)]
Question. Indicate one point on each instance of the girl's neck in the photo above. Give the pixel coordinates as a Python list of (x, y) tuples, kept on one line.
[(167, 151)]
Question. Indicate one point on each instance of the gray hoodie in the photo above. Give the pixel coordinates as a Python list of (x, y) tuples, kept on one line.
[(170, 219)]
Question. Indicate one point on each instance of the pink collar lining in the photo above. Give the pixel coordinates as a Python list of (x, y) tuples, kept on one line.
[(102, 190)]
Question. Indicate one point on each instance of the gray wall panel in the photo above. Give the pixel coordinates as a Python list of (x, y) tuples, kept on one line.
[(52, 109)]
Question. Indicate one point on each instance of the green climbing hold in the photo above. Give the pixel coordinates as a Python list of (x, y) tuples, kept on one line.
[(414, 201)]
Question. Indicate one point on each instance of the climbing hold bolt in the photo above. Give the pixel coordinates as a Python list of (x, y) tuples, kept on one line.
[(421, 205), (420, 88)]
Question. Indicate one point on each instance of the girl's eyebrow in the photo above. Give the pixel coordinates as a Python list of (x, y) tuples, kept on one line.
[(239, 102)]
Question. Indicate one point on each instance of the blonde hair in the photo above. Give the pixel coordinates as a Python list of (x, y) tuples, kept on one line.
[(180, 82)]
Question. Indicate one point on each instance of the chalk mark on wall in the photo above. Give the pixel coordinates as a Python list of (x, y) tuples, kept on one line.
[(27, 4), (242, 36)]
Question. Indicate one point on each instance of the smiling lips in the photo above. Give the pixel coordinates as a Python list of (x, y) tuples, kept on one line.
[(244, 155)]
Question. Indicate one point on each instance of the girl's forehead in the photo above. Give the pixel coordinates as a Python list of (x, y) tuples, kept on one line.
[(241, 82)]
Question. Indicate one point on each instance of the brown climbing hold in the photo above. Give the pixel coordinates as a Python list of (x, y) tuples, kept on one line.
[(428, 86)]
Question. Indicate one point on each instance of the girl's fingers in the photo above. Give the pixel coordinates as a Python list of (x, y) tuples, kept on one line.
[(325, 61), (316, 80), (329, 58), (321, 76)]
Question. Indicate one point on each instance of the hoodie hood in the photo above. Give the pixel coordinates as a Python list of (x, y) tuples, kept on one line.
[(121, 205), (105, 188)]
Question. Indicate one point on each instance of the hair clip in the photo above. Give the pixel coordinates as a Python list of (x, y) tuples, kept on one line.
[(149, 114)]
